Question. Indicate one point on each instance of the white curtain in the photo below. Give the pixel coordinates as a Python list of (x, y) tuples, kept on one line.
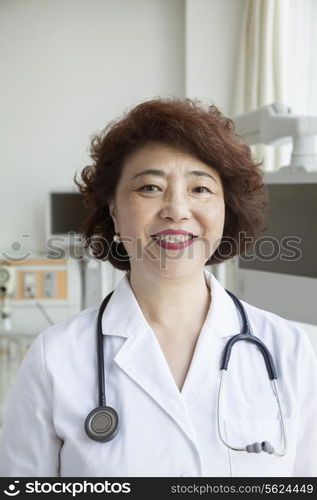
[(261, 73), (277, 62), (262, 66), (301, 55)]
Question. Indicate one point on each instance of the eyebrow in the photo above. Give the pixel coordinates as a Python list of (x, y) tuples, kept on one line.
[(154, 171)]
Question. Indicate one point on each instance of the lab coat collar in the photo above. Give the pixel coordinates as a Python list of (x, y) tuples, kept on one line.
[(123, 315), (223, 314)]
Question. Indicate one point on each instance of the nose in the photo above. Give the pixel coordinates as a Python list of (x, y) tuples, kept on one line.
[(176, 206)]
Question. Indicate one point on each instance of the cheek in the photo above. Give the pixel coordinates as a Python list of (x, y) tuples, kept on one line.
[(133, 219), (214, 217)]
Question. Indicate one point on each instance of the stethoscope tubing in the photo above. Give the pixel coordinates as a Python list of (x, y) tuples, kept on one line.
[(100, 353), (247, 334), (109, 418), (244, 448)]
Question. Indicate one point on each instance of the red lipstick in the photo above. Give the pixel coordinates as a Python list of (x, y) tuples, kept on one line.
[(174, 245), (173, 231)]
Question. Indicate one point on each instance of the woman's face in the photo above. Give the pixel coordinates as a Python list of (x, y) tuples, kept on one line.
[(161, 189)]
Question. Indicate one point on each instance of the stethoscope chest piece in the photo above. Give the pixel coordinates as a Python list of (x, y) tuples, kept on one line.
[(102, 424)]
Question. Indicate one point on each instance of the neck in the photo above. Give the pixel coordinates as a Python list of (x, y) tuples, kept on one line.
[(172, 303)]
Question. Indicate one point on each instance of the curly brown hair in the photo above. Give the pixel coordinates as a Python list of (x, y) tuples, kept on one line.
[(187, 125)]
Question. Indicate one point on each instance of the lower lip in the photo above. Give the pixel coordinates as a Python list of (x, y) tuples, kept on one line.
[(174, 246)]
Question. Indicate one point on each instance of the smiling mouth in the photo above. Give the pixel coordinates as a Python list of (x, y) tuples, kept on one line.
[(174, 242), (168, 238)]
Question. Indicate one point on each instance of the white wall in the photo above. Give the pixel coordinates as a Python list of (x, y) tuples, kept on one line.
[(67, 68), (212, 43)]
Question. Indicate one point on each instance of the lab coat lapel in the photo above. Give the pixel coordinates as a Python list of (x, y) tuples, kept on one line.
[(222, 321), (141, 357), (204, 370), (143, 361)]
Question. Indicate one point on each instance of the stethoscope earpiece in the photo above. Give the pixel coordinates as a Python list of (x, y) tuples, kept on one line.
[(258, 447), (102, 424)]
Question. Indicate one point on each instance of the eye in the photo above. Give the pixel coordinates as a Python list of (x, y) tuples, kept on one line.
[(203, 187), (148, 186)]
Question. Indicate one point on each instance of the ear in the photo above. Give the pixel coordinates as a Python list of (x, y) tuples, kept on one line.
[(112, 210)]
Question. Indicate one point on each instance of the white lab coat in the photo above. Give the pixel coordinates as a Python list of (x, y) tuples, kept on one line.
[(163, 432)]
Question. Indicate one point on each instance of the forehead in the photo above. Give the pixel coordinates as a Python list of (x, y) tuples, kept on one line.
[(164, 157)]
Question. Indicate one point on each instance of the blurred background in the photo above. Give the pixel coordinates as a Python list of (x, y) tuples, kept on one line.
[(68, 67)]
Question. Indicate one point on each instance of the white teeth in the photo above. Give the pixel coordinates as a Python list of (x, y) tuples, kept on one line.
[(173, 239)]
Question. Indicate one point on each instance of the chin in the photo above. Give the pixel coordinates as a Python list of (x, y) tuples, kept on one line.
[(176, 269)]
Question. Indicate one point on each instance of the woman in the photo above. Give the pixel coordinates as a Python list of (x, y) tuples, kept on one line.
[(171, 190)]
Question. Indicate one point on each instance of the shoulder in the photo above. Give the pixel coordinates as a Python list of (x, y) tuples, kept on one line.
[(276, 330), (75, 333), (291, 348), (64, 345)]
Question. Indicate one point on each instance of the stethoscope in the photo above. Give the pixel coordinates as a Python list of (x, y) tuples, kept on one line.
[(102, 423)]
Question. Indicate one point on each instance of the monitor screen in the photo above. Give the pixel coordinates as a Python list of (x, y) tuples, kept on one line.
[(67, 213), (289, 244)]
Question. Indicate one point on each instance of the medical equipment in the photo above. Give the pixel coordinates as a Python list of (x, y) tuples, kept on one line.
[(48, 284), (283, 257), (102, 423), (65, 213), (276, 125), (64, 216), (7, 287), (7, 278), (12, 351)]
